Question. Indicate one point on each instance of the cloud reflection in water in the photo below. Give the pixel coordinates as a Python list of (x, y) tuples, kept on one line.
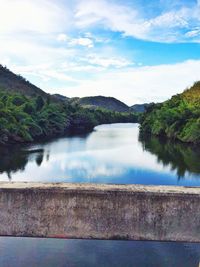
[(110, 154)]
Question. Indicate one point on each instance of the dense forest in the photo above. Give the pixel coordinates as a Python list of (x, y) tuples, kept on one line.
[(25, 119), (27, 113), (177, 118)]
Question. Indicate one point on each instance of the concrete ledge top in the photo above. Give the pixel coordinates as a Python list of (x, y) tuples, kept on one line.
[(101, 188)]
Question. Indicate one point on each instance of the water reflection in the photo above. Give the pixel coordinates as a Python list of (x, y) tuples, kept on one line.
[(183, 158), (110, 154), (14, 159), (23, 252)]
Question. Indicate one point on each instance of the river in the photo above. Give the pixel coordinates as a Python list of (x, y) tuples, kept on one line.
[(112, 153)]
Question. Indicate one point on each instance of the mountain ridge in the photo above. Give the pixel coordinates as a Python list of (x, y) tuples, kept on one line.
[(110, 103), (140, 108), (12, 82)]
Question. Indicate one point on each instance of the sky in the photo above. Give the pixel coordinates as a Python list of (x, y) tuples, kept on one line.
[(135, 50)]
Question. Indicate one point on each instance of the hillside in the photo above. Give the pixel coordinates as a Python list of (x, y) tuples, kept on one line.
[(27, 113), (177, 118), (140, 108), (61, 97), (109, 103), (11, 82)]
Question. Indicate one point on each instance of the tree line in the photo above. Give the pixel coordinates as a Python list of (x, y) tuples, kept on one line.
[(26, 119), (177, 118)]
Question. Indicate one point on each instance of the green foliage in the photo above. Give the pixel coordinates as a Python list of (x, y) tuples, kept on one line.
[(39, 103), (25, 119), (92, 117), (180, 157), (177, 118)]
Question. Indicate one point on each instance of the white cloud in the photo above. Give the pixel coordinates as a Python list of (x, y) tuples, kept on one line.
[(109, 61), (95, 38), (45, 72), (82, 41), (193, 33), (139, 84), (35, 16), (113, 16), (166, 27), (86, 39), (81, 68), (62, 37), (50, 73), (170, 19), (32, 52)]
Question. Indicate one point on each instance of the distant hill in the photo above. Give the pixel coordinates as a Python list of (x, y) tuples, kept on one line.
[(109, 103), (140, 108), (177, 118), (61, 97), (12, 82), (28, 114)]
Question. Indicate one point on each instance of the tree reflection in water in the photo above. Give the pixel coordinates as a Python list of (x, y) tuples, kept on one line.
[(181, 157), (15, 158), (100, 157)]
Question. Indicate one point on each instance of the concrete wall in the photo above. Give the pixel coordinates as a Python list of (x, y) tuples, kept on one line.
[(100, 211)]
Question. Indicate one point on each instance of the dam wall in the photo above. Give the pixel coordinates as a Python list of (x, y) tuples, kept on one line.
[(99, 211)]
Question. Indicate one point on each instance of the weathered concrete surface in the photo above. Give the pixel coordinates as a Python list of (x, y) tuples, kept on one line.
[(100, 211)]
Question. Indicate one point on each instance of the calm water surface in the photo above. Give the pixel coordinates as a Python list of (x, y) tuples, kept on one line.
[(110, 154), (26, 252)]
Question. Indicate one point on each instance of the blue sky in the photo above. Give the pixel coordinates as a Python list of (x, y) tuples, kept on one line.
[(135, 50)]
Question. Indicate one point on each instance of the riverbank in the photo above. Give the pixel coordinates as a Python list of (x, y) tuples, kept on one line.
[(25, 120)]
